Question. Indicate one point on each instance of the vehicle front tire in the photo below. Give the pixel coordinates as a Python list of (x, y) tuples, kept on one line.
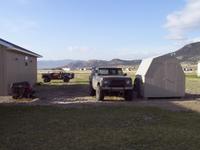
[(99, 94), (91, 90), (128, 95)]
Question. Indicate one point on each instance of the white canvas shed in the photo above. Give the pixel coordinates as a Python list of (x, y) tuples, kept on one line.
[(198, 69), (161, 77)]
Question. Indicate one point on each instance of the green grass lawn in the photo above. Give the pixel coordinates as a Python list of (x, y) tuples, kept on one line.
[(192, 84), (97, 128), (82, 77)]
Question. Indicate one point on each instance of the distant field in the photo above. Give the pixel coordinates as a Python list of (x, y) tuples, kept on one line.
[(192, 84), (82, 77)]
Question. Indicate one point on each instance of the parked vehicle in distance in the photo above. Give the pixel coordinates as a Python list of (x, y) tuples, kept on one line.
[(47, 77), (110, 81)]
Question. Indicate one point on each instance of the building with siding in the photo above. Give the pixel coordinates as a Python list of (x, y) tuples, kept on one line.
[(16, 65)]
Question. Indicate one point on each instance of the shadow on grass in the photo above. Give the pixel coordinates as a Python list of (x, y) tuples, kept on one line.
[(192, 96), (188, 97)]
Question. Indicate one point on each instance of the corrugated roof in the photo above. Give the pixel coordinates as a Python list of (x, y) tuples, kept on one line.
[(12, 46)]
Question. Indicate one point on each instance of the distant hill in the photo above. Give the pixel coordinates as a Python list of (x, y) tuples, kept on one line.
[(189, 54), (97, 63), (43, 64), (74, 64)]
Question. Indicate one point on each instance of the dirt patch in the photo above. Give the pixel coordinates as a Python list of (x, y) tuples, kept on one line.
[(76, 95), (9, 99)]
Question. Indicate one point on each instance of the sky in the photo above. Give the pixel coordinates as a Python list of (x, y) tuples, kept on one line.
[(100, 29)]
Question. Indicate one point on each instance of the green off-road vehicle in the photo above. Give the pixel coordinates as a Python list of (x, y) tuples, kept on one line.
[(110, 81)]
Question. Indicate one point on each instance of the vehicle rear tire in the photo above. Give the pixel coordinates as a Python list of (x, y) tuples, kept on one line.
[(99, 94), (47, 80), (128, 95), (92, 92)]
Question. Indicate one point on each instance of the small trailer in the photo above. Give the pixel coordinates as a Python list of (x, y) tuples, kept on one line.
[(22, 90)]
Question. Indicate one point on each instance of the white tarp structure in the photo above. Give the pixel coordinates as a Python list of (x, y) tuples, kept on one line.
[(198, 69), (161, 77)]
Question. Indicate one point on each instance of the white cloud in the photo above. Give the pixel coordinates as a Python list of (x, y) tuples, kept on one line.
[(18, 26), (82, 49), (179, 23)]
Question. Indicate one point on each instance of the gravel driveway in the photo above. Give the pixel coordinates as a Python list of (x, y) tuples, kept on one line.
[(74, 95)]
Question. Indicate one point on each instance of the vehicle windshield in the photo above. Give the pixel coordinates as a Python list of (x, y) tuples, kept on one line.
[(110, 71)]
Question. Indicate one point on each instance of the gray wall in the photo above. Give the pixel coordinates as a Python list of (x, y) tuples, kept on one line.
[(2, 80)]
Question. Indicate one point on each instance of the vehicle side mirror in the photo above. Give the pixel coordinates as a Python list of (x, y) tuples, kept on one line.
[(125, 74)]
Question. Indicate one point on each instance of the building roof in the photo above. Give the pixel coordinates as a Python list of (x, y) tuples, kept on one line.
[(14, 47)]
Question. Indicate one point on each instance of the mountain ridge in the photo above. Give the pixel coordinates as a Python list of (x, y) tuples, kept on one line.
[(188, 54), (77, 64)]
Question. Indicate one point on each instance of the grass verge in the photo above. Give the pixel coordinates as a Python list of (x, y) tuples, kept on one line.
[(97, 128)]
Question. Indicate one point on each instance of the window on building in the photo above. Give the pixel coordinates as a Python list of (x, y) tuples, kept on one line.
[(26, 60)]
